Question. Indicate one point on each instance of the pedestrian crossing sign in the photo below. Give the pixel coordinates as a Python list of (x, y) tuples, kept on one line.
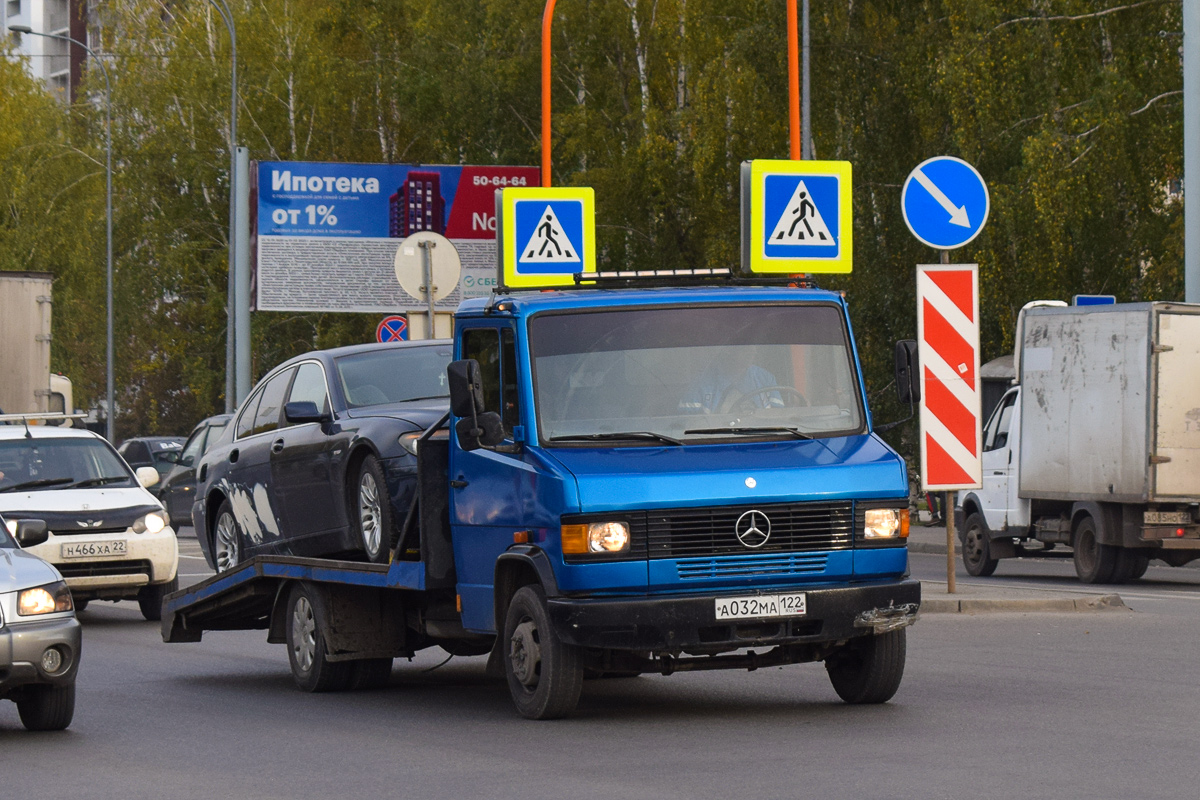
[(546, 235), (796, 217)]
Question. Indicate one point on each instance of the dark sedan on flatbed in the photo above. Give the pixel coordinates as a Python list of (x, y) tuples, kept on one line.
[(320, 458)]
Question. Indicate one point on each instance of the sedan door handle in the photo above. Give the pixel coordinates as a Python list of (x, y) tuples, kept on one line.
[(277, 446)]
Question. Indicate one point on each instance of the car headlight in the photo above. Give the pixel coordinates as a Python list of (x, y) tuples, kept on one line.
[(595, 537), (410, 441), (44, 600), (153, 522), (885, 523)]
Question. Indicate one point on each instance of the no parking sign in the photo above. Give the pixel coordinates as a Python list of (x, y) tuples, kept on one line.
[(392, 329)]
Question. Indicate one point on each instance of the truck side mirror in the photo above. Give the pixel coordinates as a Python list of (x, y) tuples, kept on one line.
[(484, 430), (31, 532), (908, 372), (466, 388)]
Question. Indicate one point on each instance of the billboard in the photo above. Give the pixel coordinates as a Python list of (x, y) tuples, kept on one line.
[(325, 234)]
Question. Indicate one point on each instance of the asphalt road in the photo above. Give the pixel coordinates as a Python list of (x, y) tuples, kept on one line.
[(1099, 705)]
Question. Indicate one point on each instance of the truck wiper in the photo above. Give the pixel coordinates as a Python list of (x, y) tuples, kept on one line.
[(607, 436), (753, 431), (97, 481), (34, 484)]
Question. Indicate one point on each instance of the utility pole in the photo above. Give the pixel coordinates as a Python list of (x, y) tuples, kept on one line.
[(1191, 152)]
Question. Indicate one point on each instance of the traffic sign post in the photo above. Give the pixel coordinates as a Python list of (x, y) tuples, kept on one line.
[(547, 236), (945, 202), (393, 328), (796, 217)]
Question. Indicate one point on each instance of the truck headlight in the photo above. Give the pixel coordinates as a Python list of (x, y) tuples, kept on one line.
[(153, 522), (44, 600), (595, 537), (885, 523)]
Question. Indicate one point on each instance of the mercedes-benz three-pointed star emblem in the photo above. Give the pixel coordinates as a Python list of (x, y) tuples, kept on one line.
[(753, 529)]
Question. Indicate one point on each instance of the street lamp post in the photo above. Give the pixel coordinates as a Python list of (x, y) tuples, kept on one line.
[(111, 411), (230, 335)]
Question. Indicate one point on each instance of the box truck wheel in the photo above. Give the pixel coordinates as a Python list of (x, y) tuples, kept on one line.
[(1131, 564), (311, 669), (977, 549), (544, 674), (1094, 562), (869, 668)]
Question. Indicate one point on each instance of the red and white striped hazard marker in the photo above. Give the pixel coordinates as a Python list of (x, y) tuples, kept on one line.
[(948, 349)]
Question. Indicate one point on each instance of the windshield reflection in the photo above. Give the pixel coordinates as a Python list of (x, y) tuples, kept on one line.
[(694, 374), (53, 462)]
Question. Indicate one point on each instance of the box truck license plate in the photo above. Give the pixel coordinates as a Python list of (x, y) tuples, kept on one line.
[(1166, 517), (93, 549), (762, 605)]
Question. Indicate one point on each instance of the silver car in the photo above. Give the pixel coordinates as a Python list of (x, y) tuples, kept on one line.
[(39, 635)]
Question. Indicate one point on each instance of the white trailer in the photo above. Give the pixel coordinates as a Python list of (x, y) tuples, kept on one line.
[(1097, 446), (25, 342)]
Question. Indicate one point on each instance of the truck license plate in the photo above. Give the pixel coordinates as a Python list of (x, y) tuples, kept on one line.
[(762, 605), (115, 547), (1166, 517)]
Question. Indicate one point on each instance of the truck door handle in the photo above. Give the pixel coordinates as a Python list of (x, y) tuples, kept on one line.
[(233, 456), (277, 446), (460, 484)]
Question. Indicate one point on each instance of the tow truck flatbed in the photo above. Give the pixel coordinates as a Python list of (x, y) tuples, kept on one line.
[(226, 601)]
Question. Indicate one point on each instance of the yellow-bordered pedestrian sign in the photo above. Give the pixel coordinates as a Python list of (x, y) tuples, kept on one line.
[(796, 217), (546, 235)]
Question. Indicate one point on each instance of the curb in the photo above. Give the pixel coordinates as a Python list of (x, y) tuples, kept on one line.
[(927, 547), (947, 605)]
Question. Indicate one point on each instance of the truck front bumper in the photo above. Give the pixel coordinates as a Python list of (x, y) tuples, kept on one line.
[(688, 623)]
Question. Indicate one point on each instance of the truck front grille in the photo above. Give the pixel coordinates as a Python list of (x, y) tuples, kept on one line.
[(794, 527), (750, 566)]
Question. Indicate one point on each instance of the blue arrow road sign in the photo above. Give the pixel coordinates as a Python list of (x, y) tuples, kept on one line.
[(945, 202)]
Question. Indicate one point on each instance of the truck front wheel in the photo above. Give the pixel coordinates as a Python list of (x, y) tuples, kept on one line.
[(868, 669), (1094, 562), (311, 669), (545, 675), (977, 552)]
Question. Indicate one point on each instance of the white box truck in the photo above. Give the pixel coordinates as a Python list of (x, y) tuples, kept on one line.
[(25, 342), (1097, 445)]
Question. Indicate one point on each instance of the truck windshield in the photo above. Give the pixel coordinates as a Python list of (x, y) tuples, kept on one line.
[(689, 374), (55, 463)]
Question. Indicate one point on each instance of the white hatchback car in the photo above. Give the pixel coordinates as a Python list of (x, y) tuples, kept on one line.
[(109, 537)]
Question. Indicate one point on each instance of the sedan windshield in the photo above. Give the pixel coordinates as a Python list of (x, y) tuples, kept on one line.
[(394, 375), (690, 374), (59, 464)]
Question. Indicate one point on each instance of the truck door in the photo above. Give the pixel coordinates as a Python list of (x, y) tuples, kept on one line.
[(1177, 407), (486, 505), (997, 462)]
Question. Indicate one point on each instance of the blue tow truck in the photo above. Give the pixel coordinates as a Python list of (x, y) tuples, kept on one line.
[(629, 480)]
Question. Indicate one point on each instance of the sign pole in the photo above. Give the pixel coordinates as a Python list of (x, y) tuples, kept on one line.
[(427, 260), (948, 505)]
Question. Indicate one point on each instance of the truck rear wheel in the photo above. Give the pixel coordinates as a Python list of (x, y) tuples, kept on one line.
[(869, 669), (977, 551), (1094, 562), (1131, 564), (311, 668), (545, 675)]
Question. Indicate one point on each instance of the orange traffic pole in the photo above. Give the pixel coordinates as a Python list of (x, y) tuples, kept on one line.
[(793, 22), (547, 19)]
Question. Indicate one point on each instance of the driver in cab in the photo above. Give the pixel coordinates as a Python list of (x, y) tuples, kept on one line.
[(728, 383)]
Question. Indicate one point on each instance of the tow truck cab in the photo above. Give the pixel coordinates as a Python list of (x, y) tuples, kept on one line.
[(680, 471)]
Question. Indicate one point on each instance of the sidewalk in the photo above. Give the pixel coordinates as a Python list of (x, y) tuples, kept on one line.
[(975, 599)]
